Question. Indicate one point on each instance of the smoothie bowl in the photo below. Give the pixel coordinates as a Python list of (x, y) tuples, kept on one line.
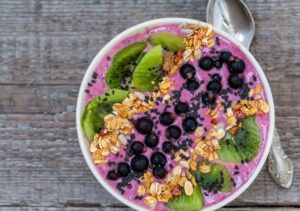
[(173, 114)]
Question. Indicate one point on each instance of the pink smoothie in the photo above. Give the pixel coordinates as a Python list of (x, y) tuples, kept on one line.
[(240, 173)]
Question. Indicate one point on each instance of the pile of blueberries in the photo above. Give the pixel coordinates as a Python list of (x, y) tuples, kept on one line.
[(235, 65), (144, 125)]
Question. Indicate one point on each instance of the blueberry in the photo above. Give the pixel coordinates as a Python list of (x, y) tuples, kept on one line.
[(159, 172), (208, 99), (206, 63), (192, 85), (189, 124), (151, 140), (216, 77), (214, 86), (144, 125), (237, 66), (225, 56), (158, 159), (137, 147), (167, 147), (181, 108), (187, 71), (139, 163), (112, 175), (235, 81), (123, 169), (173, 132), (166, 118), (218, 64)]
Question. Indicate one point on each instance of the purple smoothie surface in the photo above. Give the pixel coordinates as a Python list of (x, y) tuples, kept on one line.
[(241, 172)]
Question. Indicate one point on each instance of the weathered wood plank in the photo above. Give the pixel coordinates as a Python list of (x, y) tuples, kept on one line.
[(38, 98), (44, 167)]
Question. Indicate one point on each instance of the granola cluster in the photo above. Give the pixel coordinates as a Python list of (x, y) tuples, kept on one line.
[(104, 143), (178, 181), (197, 38), (118, 124)]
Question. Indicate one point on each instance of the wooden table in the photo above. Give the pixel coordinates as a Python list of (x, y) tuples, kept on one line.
[(45, 48)]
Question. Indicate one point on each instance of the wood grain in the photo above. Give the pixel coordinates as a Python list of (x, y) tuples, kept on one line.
[(45, 48)]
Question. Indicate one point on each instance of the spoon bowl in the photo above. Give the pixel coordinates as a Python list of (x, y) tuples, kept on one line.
[(233, 17)]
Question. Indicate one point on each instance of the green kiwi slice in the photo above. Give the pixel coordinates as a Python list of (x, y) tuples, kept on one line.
[(218, 179), (92, 119), (187, 203), (244, 145), (148, 73), (121, 63), (169, 41), (228, 152)]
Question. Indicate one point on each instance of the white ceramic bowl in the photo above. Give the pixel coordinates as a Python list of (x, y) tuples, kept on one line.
[(84, 144)]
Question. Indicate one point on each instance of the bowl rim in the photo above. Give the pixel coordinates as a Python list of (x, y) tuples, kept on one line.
[(84, 145)]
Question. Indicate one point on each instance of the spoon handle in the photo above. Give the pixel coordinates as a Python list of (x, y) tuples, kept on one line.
[(280, 165)]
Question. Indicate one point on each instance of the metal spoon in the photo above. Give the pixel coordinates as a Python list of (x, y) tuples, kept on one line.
[(234, 17)]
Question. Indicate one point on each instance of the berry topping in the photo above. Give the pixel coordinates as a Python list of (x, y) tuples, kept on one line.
[(167, 147), (216, 77), (206, 63), (139, 163), (181, 108), (237, 66), (214, 86), (123, 169), (166, 118), (151, 140), (208, 99), (144, 125), (158, 159), (218, 64), (189, 124), (225, 56), (112, 175), (173, 132), (159, 172), (235, 81), (137, 147), (187, 71), (192, 85)]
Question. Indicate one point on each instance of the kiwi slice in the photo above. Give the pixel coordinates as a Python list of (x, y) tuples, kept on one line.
[(121, 63), (169, 41), (92, 119), (148, 73), (242, 146), (228, 152), (247, 139), (218, 179), (187, 203)]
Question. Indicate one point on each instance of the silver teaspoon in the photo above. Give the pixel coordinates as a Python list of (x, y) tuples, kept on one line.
[(234, 17)]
